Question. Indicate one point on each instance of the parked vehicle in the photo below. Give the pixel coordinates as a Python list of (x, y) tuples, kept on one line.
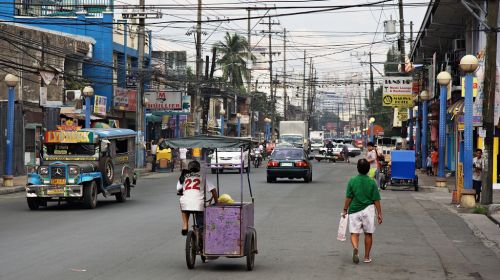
[(353, 151), (289, 163), (294, 133), (229, 159), (79, 165), (316, 140), (337, 149)]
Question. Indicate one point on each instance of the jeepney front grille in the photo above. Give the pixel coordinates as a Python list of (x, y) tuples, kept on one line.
[(58, 172)]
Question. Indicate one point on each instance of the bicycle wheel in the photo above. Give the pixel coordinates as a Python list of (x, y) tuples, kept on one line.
[(190, 249)]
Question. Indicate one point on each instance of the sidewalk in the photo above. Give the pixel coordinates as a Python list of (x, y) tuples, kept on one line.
[(19, 183)]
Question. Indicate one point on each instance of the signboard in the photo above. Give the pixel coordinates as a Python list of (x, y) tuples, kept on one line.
[(125, 100), (186, 103), (61, 136), (396, 120), (43, 96), (131, 82), (474, 86), (100, 105), (163, 100), (397, 92)]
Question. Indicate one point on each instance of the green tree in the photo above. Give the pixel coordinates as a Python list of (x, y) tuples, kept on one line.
[(383, 115), (391, 62), (234, 50)]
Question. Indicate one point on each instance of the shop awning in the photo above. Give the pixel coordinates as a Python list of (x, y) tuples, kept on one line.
[(456, 108), (73, 113)]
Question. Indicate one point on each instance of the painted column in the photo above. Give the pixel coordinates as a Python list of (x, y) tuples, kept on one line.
[(125, 46), (177, 126), (371, 132), (87, 111), (424, 134), (222, 125), (10, 133), (238, 127), (410, 117), (442, 129), (418, 148), (468, 142)]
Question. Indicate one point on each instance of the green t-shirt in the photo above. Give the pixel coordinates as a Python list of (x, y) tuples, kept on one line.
[(363, 190)]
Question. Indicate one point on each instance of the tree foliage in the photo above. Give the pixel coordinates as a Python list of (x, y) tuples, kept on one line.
[(383, 115), (392, 60)]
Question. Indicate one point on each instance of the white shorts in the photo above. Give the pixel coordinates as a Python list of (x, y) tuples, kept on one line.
[(363, 221)]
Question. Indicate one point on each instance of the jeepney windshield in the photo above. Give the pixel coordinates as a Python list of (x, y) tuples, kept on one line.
[(70, 149)]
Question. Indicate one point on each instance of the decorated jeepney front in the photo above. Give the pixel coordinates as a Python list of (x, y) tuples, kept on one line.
[(70, 158)]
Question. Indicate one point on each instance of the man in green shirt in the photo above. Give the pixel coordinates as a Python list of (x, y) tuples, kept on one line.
[(362, 197)]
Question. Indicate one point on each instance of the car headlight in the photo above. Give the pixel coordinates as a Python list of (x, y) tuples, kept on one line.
[(74, 171), (43, 170)]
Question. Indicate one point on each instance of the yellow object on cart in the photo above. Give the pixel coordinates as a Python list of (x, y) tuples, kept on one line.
[(164, 157), (197, 152)]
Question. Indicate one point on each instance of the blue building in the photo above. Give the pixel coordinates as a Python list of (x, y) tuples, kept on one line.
[(113, 60)]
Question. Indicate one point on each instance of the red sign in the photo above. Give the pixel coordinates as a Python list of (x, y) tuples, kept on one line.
[(125, 99)]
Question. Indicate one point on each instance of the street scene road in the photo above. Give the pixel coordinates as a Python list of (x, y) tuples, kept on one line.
[(296, 225)]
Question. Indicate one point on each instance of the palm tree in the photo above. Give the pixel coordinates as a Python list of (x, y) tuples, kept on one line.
[(234, 49)]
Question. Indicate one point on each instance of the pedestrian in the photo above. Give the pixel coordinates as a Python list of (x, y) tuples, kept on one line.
[(477, 174), (428, 165), (362, 199), (154, 148), (435, 160), (183, 157), (345, 151), (372, 158)]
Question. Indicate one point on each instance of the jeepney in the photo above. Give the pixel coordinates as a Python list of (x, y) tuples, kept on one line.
[(78, 165)]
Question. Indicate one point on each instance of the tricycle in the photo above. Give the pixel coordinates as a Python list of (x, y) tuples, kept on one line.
[(225, 229), (400, 172)]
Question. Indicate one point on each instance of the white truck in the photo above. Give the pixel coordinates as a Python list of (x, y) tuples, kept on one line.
[(294, 133), (316, 139)]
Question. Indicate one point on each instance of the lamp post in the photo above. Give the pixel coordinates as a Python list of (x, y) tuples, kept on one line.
[(222, 112), (238, 124), (372, 120), (418, 129), (268, 123), (468, 64), (88, 92), (443, 79), (11, 82), (424, 96)]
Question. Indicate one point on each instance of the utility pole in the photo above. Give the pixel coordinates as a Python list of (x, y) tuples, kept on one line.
[(198, 69), (401, 35), (489, 97), (140, 88), (304, 89), (284, 76), (309, 88), (249, 81), (411, 35), (338, 119), (372, 91)]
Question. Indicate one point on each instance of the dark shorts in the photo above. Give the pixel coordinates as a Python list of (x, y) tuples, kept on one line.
[(200, 221), (476, 185)]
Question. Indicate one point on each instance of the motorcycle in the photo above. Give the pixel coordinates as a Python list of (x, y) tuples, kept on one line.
[(385, 174), (256, 157), (330, 155)]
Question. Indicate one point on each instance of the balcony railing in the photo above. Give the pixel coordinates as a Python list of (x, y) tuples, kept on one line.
[(61, 8)]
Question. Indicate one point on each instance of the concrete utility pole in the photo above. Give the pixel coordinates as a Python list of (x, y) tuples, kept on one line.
[(372, 91), (284, 76), (489, 96), (249, 79), (198, 69), (401, 35), (140, 88), (304, 89)]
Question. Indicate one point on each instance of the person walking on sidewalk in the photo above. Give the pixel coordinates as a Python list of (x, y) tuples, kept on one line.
[(362, 198), (435, 160), (477, 174), (372, 159), (154, 147)]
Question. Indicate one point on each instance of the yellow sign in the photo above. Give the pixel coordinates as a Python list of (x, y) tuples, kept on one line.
[(196, 152), (460, 180), (403, 116), (60, 136), (58, 181), (398, 100), (474, 87)]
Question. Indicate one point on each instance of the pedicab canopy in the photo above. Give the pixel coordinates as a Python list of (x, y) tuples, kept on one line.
[(208, 142)]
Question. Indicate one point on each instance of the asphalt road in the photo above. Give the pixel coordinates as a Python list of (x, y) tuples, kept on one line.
[(296, 225)]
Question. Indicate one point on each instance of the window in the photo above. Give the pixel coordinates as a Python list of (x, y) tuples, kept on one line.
[(121, 146)]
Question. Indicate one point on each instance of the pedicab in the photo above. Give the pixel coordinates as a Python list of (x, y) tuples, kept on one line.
[(228, 229), (400, 171)]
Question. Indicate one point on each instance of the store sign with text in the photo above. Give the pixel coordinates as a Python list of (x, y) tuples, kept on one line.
[(163, 100), (397, 92), (125, 99)]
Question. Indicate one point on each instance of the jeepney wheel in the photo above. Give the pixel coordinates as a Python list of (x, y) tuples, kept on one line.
[(108, 171), (33, 203), (90, 195), (203, 259), (190, 249), (122, 195), (250, 249)]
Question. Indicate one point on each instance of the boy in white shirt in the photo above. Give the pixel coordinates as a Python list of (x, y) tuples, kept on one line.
[(192, 199)]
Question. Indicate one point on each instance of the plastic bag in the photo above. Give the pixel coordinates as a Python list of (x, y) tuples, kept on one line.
[(342, 228)]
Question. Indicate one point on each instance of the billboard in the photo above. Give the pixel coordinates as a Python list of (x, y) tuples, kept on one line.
[(163, 100), (397, 92)]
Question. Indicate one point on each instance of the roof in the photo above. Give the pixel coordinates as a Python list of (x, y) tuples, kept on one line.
[(111, 132), (82, 38), (208, 141)]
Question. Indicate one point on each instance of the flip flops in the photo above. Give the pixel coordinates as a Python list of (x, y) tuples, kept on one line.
[(367, 261), (355, 256)]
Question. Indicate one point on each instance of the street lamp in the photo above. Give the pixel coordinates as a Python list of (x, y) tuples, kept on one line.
[(88, 92), (468, 64), (372, 120), (11, 82), (424, 96), (238, 125), (443, 79), (222, 112), (268, 124)]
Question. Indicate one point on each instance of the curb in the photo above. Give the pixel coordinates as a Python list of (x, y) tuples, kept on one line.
[(9, 190), (434, 189)]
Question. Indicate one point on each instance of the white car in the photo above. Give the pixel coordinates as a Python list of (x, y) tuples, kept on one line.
[(337, 149), (353, 151), (229, 159), (316, 144)]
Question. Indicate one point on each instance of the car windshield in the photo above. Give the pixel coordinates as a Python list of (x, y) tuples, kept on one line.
[(70, 149), (291, 139), (287, 154)]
